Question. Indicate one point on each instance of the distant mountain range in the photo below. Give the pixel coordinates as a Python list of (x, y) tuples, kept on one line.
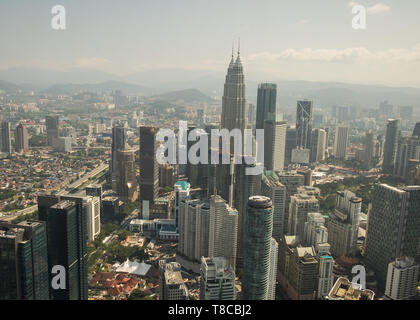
[(102, 87), (171, 84), (184, 97)]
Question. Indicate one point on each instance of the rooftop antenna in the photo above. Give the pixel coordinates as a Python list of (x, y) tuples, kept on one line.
[(239, 46)]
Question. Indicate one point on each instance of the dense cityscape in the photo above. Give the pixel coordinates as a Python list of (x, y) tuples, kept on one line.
[(89, 211)]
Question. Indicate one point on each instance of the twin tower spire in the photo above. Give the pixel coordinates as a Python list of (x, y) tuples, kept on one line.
[(238, 58)]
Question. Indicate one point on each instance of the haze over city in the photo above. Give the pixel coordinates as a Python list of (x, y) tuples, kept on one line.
[(281, 40)]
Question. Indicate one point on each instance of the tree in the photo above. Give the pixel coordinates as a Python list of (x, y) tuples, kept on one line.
[(138, 294), (123, 234)]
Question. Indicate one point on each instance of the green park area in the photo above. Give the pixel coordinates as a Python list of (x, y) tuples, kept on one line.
[(361, 186)]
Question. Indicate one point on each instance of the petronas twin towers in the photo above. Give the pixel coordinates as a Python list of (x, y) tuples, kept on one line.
[(234, 102)]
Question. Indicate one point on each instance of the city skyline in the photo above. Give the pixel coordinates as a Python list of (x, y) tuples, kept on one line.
[(107, 191)]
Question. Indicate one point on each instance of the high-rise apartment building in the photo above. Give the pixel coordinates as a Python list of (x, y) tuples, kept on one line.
[(272, 274), (408, 148), (300, 206), (258, 228), (223, 233), (93, 217), (21, 139), (402, 276), (343, 224), (316, 235), (217, 279), (6, 144), (291, 180), (194, 226), (273, 189), (182, 192), (393, 227)]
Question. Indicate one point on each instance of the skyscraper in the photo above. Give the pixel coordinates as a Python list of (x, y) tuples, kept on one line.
[(234, 101), (223, 234), (217, 279), (194, 231), (258, 228), (272, 273), (67, 237), (149, 168), (266, 104), (291, 180), (408, 148), (298, 269), (246, 185), (341, 141), (21, 139), (300, 206), (393, 227), (290, 145), (273, 189), (390, 146), (275, 144), (343, 224), (6, 145), (182, 192), (316, 235), (125, 175), (303, 124), (369, 149), (416, 130), (51, 122), (119, 141), (24, 271), (318, 145)]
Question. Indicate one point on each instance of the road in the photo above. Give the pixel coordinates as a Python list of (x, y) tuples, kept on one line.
[(75, 184)]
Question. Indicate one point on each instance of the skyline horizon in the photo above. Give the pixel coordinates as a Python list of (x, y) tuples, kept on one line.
[(286, 40)]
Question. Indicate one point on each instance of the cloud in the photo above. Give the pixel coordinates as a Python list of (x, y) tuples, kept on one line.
[(347, 55), (378, 8), (375, 9)]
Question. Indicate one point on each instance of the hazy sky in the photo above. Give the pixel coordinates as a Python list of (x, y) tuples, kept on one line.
[(280, 39)]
